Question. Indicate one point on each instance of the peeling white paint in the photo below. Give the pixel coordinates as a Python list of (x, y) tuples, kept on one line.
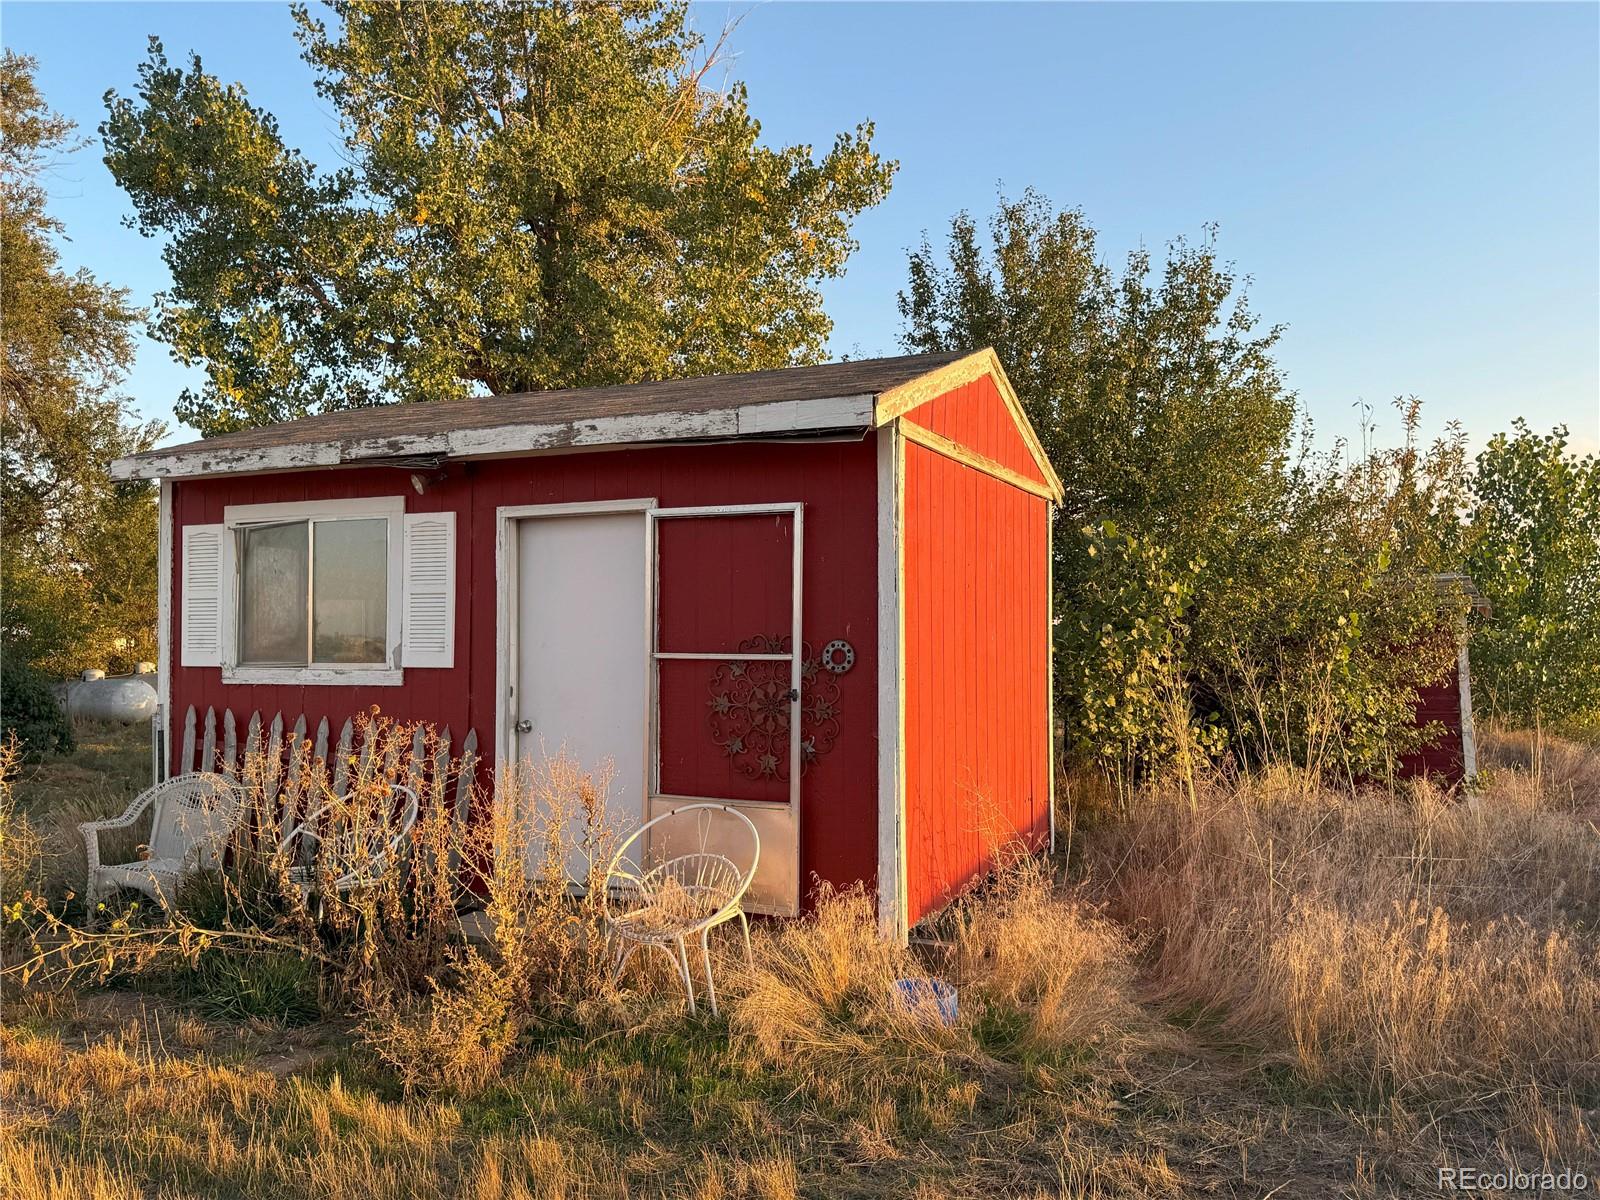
[(752, 420)]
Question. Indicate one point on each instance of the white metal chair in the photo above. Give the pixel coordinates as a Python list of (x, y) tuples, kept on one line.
[(690, 883), (361, 848), (193, 817)]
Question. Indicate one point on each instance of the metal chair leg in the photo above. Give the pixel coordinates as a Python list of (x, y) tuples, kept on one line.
[(688, 980), (749, 957), (622, 954), (705, 954)]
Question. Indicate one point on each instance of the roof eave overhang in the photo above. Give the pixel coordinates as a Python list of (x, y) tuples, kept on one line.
[(774, 419)]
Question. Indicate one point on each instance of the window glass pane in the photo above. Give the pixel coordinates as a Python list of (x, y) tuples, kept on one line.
[(350, 604), (272, 603)]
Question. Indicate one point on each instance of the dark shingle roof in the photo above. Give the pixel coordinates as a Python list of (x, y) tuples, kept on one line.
[(571, 416)]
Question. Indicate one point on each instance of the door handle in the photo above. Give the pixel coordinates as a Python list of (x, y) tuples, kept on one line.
[(523, 727)]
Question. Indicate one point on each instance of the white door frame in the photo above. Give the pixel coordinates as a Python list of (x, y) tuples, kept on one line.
[(508, 608)]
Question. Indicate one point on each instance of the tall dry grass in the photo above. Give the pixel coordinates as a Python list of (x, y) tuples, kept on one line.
[(1414, 956), (1410, 946), (1036, 967)]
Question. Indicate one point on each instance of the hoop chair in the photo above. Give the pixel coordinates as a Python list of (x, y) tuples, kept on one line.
[(193, 817), (688, 894), (366, 847)]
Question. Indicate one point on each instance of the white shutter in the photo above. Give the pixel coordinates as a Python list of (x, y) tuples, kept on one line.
[(203, 564), (428, 632)]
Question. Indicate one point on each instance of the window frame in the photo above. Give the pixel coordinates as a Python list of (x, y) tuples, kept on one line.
[(236, 517)]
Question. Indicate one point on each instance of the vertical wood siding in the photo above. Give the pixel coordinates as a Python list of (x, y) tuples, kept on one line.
[(1443, 758), (976, 664), (837, 482), (976, 416)]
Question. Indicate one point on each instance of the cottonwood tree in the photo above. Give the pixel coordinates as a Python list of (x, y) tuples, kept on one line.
[(1152, 388), (1217, 584), (79, 550), (1533, 550), (531, 196)]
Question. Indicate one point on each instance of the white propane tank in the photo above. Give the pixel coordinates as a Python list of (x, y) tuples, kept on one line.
[(127, 698)]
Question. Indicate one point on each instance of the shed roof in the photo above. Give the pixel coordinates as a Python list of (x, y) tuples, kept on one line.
[(791, 402)]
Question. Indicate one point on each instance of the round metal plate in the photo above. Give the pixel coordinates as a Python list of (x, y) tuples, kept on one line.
[(838, 656)]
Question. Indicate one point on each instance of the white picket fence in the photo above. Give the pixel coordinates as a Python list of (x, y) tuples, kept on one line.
[(432, 776)]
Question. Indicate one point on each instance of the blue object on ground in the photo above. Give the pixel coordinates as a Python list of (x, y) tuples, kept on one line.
[(932, 998)]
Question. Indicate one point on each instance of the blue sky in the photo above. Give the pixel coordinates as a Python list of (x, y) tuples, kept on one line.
[(1415, 189)]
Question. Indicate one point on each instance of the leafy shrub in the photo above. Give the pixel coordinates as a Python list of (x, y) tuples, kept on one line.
[(1218, 586), (21, 848), (1533, 550), (30, 712)]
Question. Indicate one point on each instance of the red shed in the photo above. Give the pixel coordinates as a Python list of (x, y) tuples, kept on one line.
[(1451, 756), (820, 594)]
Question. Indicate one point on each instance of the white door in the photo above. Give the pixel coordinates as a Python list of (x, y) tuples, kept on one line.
[(581, 678)]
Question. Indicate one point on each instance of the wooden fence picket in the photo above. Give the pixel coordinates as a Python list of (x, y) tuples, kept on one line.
[(341, 770), (469, 762), (419, 763), (230, 745), (252, 743), (274, 764), (208, 755), (293, 782), (186, 758)]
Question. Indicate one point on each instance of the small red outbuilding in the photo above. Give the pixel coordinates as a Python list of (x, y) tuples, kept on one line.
[(820, 594)]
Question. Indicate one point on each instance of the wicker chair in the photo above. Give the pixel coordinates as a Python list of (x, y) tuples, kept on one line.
[(193, 816), (364, 848), (687, 886)]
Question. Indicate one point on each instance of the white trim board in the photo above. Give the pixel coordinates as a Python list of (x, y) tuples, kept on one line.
[(897, 401), (164, 517), (1469, 739), (892, 883), (746, 421)]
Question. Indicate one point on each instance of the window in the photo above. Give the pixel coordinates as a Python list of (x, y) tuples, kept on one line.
[(319, 592), (314, 592)]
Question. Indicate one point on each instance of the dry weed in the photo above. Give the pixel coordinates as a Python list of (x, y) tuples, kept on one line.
[(823, 991), (1411, 945), (1035, 948)]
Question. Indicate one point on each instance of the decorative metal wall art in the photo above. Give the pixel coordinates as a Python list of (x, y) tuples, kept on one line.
[(750, 703)]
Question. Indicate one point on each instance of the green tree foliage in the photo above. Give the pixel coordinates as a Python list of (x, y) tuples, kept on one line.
[(1217, 584), (79, 550), (1533, 550), (1153, 391), (30, 713), (534, 196)]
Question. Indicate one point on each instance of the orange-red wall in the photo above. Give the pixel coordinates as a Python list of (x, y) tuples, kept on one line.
[(977, 643), (975, 416)]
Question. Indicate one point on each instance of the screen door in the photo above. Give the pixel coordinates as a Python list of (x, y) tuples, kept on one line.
[(726, 674)]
